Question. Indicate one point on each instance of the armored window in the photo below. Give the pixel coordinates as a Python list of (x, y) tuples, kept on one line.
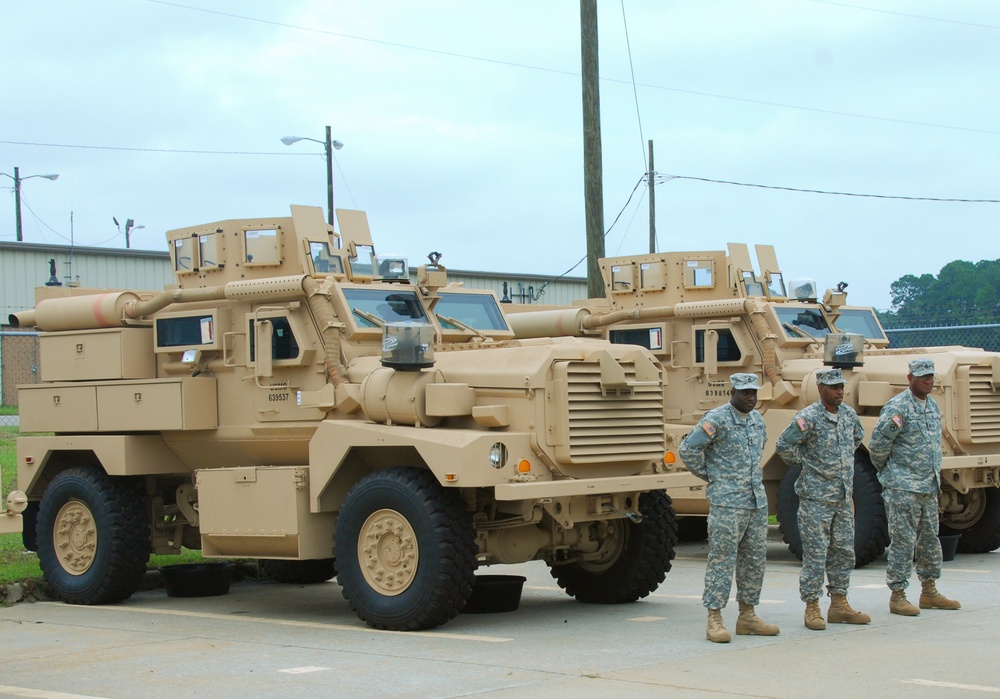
[(185, 254), (728, 349), (800, 322), (478, 311), (262, 247), (185, 331), (650, 338), (861, 321), (387, 305), (324, 261), (283, 343)]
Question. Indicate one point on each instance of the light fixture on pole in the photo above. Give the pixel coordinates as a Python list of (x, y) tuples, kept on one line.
[(329, 145), (129, 227), (17, 195)]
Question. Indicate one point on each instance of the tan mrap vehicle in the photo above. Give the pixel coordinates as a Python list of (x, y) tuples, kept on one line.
[(706, 315), (297, 399)]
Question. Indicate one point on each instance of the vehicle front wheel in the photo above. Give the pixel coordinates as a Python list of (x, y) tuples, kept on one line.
[(93, 536), (871, 529), (636, 557), (406, 550)]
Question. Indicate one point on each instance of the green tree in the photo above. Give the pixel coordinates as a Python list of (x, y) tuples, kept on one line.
[(962, 293)]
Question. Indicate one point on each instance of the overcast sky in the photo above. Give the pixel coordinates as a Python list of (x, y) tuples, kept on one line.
[(462, 125)]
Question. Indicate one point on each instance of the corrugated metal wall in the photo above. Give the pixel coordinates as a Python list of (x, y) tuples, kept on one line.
[(24, 266)]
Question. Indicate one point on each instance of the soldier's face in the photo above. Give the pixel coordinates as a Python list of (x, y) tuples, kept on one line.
[(745, 400), (832, 396), (920, 386)]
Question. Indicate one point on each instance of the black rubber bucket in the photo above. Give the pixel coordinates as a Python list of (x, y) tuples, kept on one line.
[(495, 593), (949, 545), (197, 579)]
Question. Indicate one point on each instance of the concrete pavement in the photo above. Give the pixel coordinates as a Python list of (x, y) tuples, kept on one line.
[(280, 640)]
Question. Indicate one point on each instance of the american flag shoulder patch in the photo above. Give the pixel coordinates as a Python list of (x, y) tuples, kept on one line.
[(803, 425), (709, 428), (898, 420)]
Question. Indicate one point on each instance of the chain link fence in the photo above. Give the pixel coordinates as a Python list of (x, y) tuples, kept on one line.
[(985, 336), (18, 365)]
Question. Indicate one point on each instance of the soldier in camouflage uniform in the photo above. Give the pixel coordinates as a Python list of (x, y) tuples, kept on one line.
[(905, 447), (724, 449), (822, 438)]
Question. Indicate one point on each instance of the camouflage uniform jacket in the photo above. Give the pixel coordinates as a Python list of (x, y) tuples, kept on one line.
[(905, 445), (724, 448), (825, 447)]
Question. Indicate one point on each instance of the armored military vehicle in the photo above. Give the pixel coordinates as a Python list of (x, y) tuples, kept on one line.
[(707, 315), (297, 398)]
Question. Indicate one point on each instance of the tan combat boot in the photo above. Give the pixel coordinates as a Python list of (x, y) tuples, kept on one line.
[(748, 624), (930, 598), (813, 616), (716, 632), (898, 604), (842, 613)]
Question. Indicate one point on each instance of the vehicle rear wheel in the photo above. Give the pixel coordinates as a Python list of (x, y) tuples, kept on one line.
[(93, 537), (406, 550), (636, 557), (871, 530), (299, 572), (980, 523)]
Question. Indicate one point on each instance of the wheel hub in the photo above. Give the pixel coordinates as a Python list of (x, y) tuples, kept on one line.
[(75, 537), (387, 552)]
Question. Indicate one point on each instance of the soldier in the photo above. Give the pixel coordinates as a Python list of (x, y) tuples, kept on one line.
[(724, 449), (905, 447), (823, 438)]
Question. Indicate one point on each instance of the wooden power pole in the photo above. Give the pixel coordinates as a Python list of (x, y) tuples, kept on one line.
[(652, 201), (592, 166)]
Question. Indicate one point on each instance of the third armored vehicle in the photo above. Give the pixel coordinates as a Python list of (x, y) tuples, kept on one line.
[(706, 315)]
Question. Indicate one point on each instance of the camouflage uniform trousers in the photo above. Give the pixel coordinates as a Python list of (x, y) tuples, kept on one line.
[(827, 530), (737, 543), (913, 528)]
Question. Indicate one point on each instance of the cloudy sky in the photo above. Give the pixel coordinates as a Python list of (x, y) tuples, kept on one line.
[(462, 125)]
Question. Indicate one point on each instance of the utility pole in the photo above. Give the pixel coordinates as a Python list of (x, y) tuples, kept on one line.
[(652, 201), (592, 165)]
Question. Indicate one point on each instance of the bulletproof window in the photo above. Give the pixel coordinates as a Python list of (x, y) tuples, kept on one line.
[(283, 342), (650, 338), (802, 321), (324, 260), (262, 247), (185, 254), (185, 331), (861, 321), (479, 311), (390, 305), (728, 349)]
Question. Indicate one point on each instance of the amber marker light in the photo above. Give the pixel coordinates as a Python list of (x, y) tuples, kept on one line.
[(450, 477), (670, 458), (523, 466)]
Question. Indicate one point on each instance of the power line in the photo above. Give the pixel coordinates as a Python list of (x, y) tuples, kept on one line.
[(907, 14), (661, 179), (512, 64), (160, 150)]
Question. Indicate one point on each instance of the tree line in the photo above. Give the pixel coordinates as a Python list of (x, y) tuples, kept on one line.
[(962, 293)]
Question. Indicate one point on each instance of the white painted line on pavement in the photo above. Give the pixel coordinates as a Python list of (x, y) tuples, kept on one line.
[(303, 670), (648, 618), (300, 624), (7, 690), (953, 685)]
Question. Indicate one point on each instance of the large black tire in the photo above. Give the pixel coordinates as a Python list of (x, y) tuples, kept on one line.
[(637, 561), (93, 536), (871, 530), (299, 572), (980, 531), (29, 526), (406, 550)]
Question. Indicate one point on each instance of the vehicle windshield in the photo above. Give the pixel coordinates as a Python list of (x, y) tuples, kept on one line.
[(390, 305), (802, 321), (478, 311), (861, 321)]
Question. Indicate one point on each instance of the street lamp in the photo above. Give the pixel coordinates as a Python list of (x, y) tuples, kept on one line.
[(129, 227), (329, 145), (17, 195)]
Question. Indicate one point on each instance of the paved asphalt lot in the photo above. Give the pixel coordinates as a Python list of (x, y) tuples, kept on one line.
[(268, 639)]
